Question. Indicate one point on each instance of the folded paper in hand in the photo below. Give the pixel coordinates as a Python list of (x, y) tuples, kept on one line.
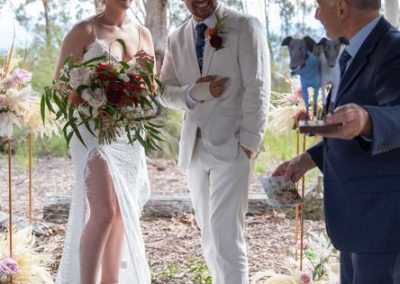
[(201, 92), (280, 194)]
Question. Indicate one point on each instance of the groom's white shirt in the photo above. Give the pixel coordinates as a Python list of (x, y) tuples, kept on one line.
[(238, 116)]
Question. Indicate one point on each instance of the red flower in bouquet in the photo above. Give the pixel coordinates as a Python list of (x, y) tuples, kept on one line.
[(104, 72), (75, 99), (115, 91)]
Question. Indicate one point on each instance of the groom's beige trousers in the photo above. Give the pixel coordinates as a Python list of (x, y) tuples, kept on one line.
[(219, 192)]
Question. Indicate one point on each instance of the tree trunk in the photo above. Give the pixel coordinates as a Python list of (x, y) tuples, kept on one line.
[(392, 12), (267, 7), (47, 22), (97, 5), (156, 22)]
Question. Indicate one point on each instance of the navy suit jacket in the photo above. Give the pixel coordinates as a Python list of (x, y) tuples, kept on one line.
[(362, 179)]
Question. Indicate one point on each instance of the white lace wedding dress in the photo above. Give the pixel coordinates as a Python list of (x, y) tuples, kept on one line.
[(127, 166)]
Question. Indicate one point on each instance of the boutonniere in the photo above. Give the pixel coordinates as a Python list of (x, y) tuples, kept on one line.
[(214, 33)]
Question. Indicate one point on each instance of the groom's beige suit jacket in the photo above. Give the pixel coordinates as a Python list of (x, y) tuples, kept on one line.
[(238, 116)]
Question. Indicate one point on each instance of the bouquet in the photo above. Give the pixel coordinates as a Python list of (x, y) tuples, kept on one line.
[(19, 103), (108, 97)]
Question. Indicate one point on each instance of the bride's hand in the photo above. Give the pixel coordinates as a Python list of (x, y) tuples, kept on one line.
[(142, 58)]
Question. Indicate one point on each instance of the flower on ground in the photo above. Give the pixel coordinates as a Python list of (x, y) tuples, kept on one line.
[(8, 266)]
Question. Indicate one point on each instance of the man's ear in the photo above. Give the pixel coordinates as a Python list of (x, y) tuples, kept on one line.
[(344, 9), (286, 41), (310, 43)]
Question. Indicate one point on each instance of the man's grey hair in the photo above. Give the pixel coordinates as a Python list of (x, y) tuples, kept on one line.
[(366, 4)]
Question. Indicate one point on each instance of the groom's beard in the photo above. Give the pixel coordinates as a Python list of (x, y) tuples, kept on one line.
[(203, 8)]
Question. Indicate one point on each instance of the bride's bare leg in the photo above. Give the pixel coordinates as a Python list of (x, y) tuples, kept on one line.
[(112, 251), (102, 203)]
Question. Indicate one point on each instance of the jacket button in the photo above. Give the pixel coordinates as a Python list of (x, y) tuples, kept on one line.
[(326, 148)]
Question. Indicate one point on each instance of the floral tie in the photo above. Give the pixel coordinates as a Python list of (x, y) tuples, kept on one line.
[(200, 41)]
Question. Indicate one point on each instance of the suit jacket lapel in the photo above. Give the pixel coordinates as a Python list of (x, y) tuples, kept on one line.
[(361, 59), (191, 48), (208, 55)]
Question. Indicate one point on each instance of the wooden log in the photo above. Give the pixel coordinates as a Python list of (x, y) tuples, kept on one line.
[(57, 207)]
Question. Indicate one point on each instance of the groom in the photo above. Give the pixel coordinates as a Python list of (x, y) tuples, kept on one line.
[(217, 71)]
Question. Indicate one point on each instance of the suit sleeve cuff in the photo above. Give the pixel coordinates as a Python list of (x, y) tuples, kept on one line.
[(190, 102), (317, 154)]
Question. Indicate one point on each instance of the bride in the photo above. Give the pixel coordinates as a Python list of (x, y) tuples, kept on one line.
[(103, 241)]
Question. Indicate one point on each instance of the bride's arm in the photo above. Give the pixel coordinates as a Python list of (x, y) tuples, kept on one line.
[(147, 54), (74, 44)]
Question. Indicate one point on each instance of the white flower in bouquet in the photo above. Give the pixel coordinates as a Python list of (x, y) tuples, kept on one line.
[(95, 99), (78, 76), (132, 66), (124, 78), (83, 109)]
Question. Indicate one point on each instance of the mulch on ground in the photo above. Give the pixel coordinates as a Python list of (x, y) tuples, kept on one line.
[(172, 244)]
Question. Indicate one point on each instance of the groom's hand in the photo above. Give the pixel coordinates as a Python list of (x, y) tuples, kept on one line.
[(215, 88)]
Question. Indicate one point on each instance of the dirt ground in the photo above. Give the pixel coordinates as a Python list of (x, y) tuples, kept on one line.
[(172, 244)]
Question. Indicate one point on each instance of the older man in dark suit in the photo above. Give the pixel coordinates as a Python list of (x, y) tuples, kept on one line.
[(361, 158)]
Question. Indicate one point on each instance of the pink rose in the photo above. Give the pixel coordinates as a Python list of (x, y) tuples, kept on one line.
[(21, 76), (305, 277), (8, 266)]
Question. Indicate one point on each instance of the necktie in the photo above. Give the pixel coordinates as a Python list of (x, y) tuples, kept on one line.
[(200, 41), (343, 59)]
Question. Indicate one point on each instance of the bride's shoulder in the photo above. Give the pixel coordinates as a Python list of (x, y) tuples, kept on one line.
[(145, 32), (81, 31)]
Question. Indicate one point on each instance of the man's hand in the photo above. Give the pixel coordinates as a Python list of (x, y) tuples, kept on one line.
[(353, 121), (295, 168), (216, 86)]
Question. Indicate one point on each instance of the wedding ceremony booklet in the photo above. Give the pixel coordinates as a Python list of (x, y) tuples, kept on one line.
[(280, 193)]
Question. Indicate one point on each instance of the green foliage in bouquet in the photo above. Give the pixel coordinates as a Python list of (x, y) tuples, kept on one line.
[(108, 97)]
